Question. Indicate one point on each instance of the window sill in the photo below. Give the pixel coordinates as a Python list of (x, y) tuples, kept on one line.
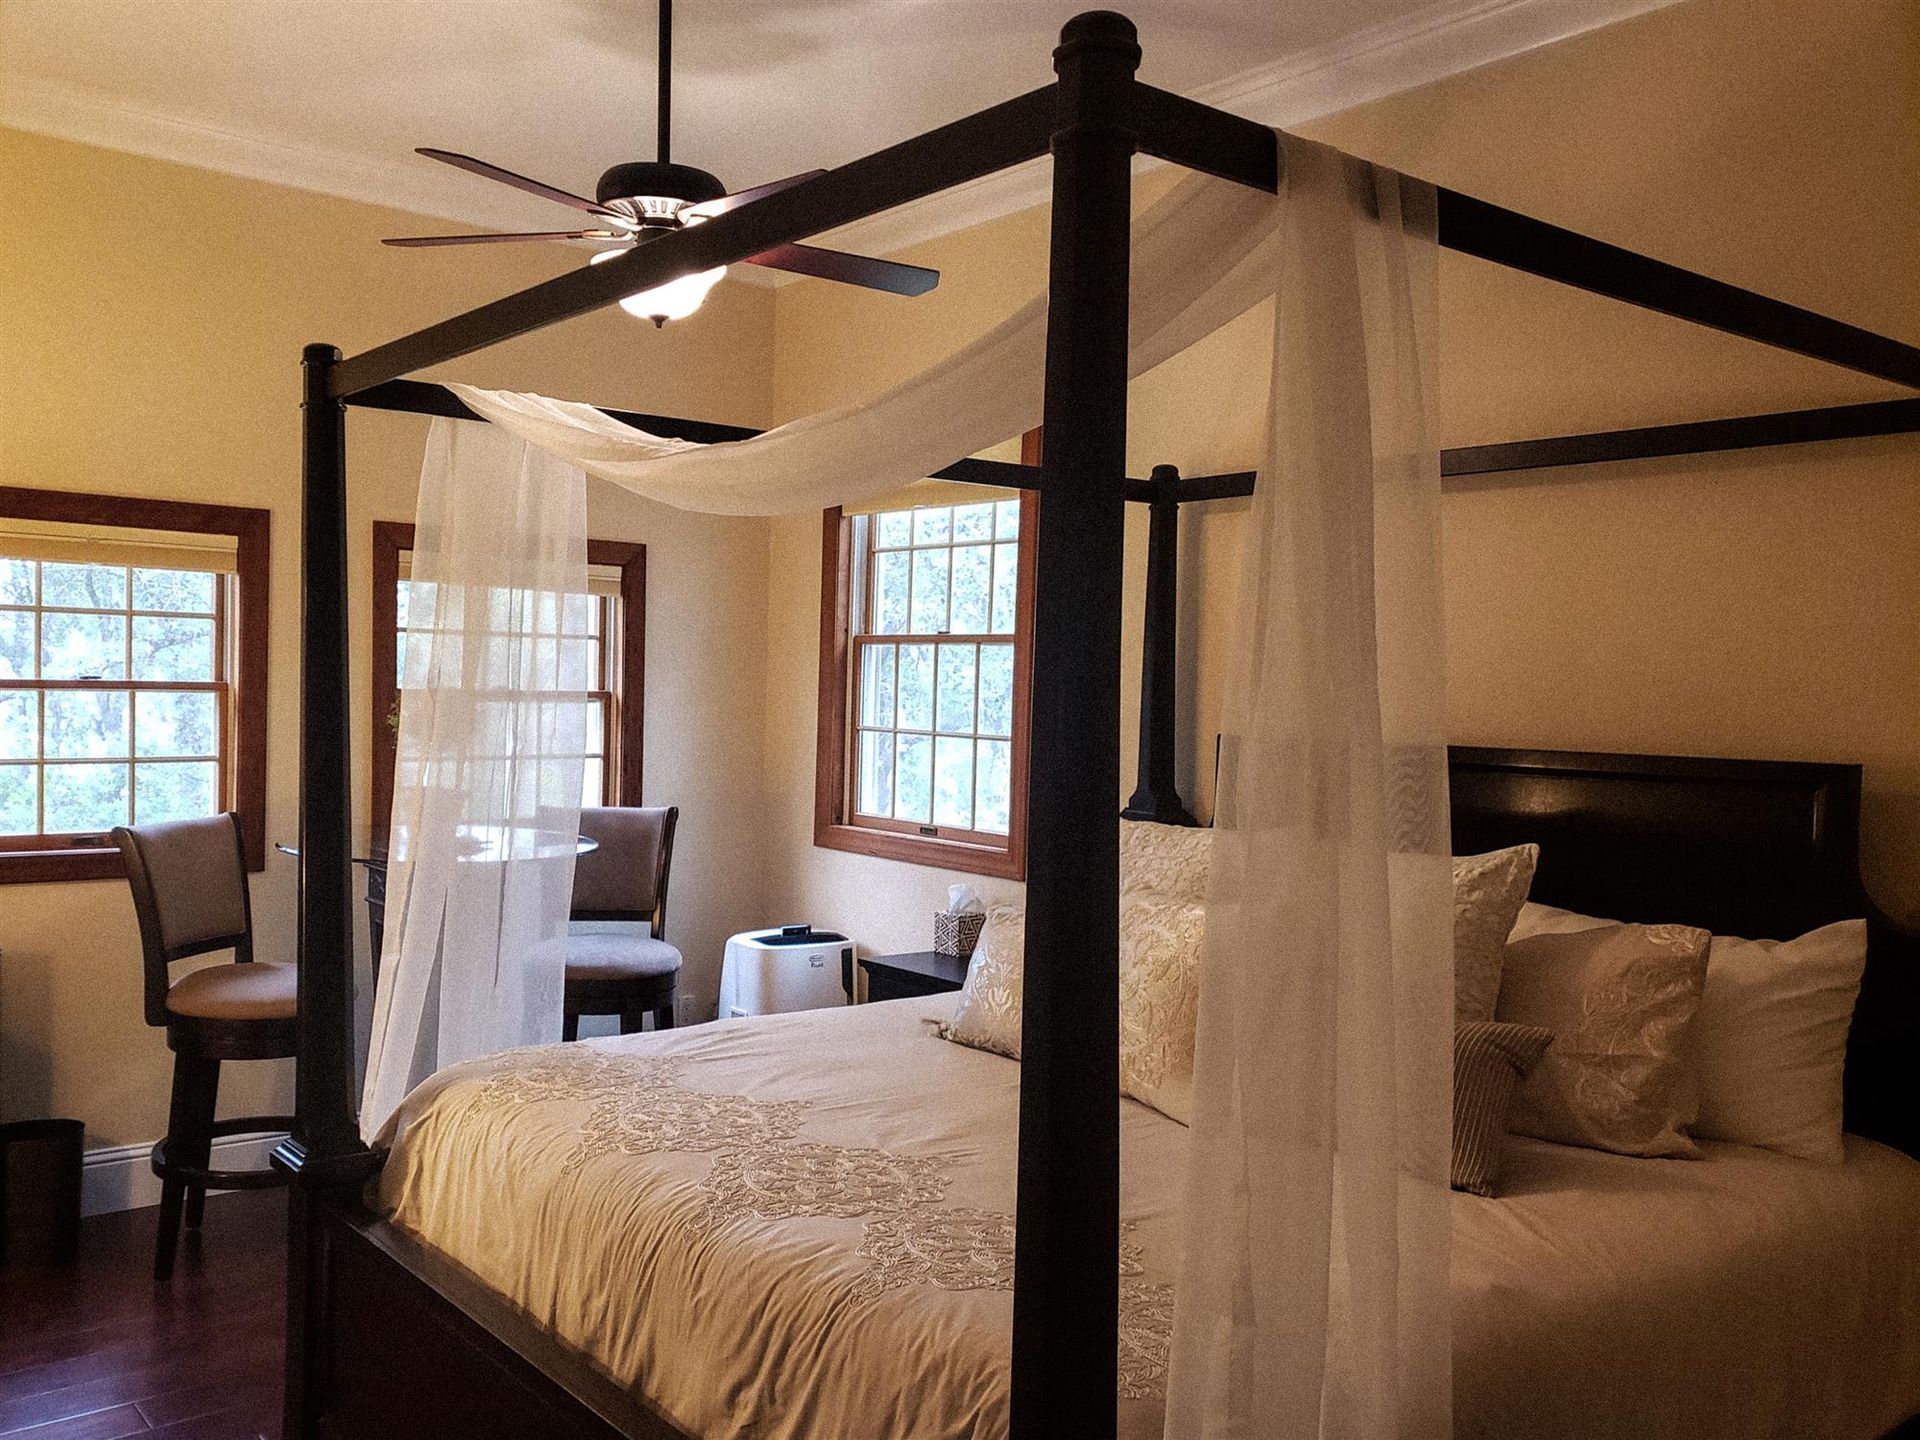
[(36, 867), (920, 850)]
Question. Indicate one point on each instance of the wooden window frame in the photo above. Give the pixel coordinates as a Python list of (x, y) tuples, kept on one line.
[(244, 741), (626, 714), (834, 824)]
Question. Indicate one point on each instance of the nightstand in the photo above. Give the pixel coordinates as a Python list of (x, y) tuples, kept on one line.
[(925, 972)]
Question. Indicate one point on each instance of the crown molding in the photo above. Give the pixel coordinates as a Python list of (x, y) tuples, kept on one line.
[(1381, 60), (1370, 64), (413, 185)]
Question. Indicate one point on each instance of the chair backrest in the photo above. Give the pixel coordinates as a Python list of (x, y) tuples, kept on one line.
[(189, 883), (626, 877)]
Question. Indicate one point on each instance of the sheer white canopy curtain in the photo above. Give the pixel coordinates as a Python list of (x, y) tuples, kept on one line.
[(486, 783), (1314, 1299)]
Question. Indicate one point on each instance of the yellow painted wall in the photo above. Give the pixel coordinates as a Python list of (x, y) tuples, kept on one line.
[(1764, 604), (151, 318)]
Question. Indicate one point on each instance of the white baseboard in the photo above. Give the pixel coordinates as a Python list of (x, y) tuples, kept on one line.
[(120, 1177)]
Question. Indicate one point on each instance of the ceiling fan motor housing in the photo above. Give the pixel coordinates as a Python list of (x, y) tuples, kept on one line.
[(644, 180)]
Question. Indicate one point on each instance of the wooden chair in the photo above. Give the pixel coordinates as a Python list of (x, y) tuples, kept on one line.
[(189, 882), (623, 973)]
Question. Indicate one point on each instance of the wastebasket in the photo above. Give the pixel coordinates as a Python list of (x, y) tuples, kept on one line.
[(40, 1191)]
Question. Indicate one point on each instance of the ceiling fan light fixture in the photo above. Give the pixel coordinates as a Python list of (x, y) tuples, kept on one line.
[(675, 300)]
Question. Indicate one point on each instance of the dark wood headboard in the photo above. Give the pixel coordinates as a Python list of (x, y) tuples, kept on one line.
[(1759, 848)]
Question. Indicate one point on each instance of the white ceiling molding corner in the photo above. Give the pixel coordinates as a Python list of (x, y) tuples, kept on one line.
[(1413, 50), (1368, 65), (66, 112)]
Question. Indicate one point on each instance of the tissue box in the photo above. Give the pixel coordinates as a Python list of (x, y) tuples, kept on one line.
[(956, 935)]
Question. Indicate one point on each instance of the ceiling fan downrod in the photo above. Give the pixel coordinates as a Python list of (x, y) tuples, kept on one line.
[(663, 145)]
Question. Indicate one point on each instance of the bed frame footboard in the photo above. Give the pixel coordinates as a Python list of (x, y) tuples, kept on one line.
[(403, 1341)]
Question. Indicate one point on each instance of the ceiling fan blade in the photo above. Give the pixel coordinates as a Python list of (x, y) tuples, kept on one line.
[(747, 196), (519, 182), (497, 239), (849, 269)]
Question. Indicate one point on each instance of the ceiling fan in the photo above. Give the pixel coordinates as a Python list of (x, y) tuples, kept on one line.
[(643, 200)]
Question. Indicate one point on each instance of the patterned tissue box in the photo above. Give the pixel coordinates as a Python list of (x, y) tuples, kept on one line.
[(956, 935)]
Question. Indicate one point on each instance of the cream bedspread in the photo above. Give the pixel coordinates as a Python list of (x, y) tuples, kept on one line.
[(802, 1227)]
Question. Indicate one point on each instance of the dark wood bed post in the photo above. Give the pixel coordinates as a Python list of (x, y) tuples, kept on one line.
[(1066, 1258), (325, 1150), (1156, 796)]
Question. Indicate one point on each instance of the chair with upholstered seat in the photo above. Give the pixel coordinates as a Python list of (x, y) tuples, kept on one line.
[(189, 882), (625, 972)]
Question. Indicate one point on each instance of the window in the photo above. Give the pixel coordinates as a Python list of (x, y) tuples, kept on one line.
[(923, 681), (128, 692), (609, 623)]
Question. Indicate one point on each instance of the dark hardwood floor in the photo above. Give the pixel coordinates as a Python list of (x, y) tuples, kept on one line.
[(97, 1350)]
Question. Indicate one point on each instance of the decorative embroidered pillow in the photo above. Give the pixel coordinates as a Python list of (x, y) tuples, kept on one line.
[(1769, 1044), (1488, 891), (1619, 1000), (1165, 860), (1159, 1000), (988, 1015), (1489, 1062)]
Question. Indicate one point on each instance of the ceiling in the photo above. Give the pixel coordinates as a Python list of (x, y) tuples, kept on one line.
[(334, 97)]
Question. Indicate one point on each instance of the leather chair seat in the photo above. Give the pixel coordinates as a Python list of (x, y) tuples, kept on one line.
[(614, 956), (254, 991)]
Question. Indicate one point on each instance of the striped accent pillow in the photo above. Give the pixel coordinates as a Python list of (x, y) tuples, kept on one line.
[(1490, 1059)]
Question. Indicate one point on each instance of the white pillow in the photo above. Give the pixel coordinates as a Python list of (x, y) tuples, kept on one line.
[(1159, 1000), (988, 1014), (1488, 891), (1170, 861), (1769, 1042)]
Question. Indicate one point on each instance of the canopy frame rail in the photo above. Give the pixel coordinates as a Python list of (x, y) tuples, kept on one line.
[(1156, 794), (1093, 119)]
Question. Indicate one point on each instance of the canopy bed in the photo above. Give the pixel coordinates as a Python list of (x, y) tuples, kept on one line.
[(389, 1335)]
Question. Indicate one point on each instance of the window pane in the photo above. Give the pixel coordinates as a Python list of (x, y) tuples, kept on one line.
[(86, 724), (596, 729), (19, 725), (916, 687), (996, 689), (166, 647), (593, 780), (1009, 513), (894, 528), (956, 689), (1006, 587), (890, 580), (187, 590), (876, 685), (176, 722), (930, 591), (16, 645), (973, 522), (87, 587), (175, 790), (972, 589), (875, 795), (75, 647), (577, 614), (579, 665), (932, 526), (400, 598), (992, 787), (913, 782), (16, 582), (19, 799), (86, 797), (953, 782)]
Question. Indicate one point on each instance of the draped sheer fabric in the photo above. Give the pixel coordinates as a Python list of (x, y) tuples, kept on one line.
[(1313, 1298), (487, 778)]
